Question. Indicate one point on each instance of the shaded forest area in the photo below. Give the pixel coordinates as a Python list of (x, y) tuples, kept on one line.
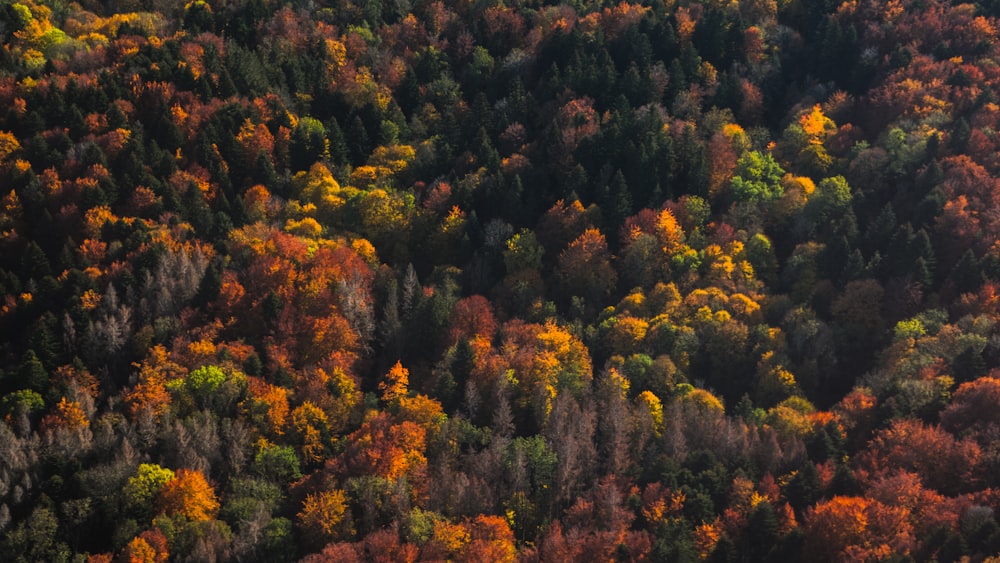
[(407, 280)]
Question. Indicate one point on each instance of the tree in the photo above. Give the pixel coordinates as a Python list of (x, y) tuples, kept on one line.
[(974, 408), (145, 486), (829, 201), (584, 269), (757, 178), (8, 145), (945, 463), (395, 386), (490, 539), (855, 527), (381, 448), (325, 517), (471, 317), (309, 143), (188, 494), (148, 547)]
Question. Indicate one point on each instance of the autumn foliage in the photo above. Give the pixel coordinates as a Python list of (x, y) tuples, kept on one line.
[(499, 281)]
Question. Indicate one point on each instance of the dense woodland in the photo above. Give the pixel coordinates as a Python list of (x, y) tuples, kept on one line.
[(413, 280)]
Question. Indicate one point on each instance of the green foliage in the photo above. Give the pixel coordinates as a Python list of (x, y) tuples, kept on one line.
[(205, 380), (309, 143), (523, 252), (830, 200), (757, 178), (210, 387), (276, 463), (143, 487), (21, 403)]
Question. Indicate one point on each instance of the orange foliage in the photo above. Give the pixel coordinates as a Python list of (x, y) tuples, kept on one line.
[(491, 540), (396, 383), (706, 535), (148, 547), (189, 495), (385, 449), (139, 551), (855, 528), (267, 406), (66, 414), (150, 393), (660, 503), (668, 231)]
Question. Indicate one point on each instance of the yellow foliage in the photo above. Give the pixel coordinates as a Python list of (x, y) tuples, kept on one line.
[(654, 407), (394, 157), (422, 410), (742, 305), (634, 303), (95, 218), (365, 250), (310, 424), (306, 228), (704, 400), (202, 351), (802, 184), (8, 144), (369, 175), (139, 551), (816, 125), (336, 55), (627, 334), (788, 421), (382, 213), (317, 184), (452, 537), (323, 516)]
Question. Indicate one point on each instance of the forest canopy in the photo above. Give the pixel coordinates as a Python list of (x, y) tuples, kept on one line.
[(526, 281)]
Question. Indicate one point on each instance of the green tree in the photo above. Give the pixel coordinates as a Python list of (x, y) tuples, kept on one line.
[(831, 198), (757, 178), (143, 487), (309, 143)]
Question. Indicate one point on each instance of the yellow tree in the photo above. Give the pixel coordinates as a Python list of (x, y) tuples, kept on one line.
[(312, 429), (8, 145), (325, 517)]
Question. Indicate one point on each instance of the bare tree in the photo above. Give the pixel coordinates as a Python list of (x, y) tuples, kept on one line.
[(570, 431)]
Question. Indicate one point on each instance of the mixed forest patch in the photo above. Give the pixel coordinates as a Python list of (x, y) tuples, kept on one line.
[(412, 280)]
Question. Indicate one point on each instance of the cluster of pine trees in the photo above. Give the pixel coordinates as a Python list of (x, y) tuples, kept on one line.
[(414, 280)]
